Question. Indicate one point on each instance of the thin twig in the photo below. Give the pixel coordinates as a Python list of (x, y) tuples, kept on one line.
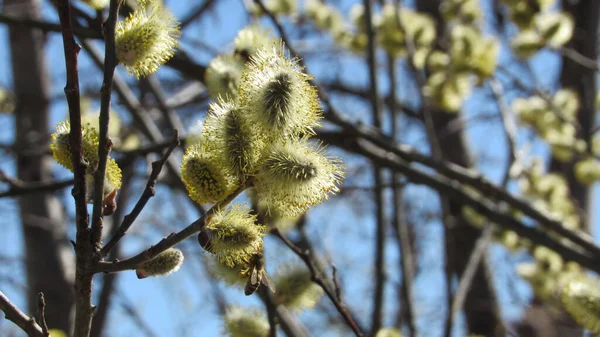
[(336, 283), (463, 175), (467, 277), (270, 306), (42, 314), (481, 203), (104, 146), (380, 225), (399, 223), (146, 195), (36, 187), (47, 26), (316, 277), (169, 241), (196, 13), (16, 316)]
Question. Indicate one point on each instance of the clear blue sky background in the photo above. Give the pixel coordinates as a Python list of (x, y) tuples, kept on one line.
[(194, 310)]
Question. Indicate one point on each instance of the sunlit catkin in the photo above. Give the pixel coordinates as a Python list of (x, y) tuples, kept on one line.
[(205, 181), (278, 96), (234, 235), (237, 144), (146, 39), (296, 176), (164, 263), (243, 322), (581, 298)]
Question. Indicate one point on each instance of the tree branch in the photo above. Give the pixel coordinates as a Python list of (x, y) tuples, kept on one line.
[(16, 316), (168, 242), (42, 314), (148, 193), (316, 277), (104, 146)]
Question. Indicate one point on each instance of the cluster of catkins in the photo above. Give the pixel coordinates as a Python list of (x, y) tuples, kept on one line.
[(257, 134)]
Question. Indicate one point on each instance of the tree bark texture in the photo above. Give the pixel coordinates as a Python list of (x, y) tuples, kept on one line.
[(47, 251)]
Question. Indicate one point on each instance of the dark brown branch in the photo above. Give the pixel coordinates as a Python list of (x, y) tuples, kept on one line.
[(399, 223), (108, 293), (105, 145), (83, 278), (48, 26), (16, 316), (270, 306), (380, 225), (460, 174), (316, 277), (42, 314), (196, 13), (167, 242), (23, 188), (467, 277), (480, 203), (148, 193), (169, 114)]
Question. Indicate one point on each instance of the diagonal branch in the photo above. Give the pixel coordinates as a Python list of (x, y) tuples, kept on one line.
[(16, 316), (317, 278), (148, 193), (169, 241)]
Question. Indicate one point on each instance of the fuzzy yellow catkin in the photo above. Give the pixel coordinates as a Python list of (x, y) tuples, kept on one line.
[(164, 263), (296, 176), (146, 39), (277, 95), (223, 75), (204, 179), (237, 145), (581, 299), (295, 289), (234, 235), (388, 332), (245, 322)]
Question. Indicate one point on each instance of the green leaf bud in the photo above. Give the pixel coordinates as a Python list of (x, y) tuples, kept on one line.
[(296, 176), (242, 322), (236, 143), (295, 289), (164, 263), (146, 39), (234, 235), (223, 75), (206, 181), (581, 299), (277, 95)]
